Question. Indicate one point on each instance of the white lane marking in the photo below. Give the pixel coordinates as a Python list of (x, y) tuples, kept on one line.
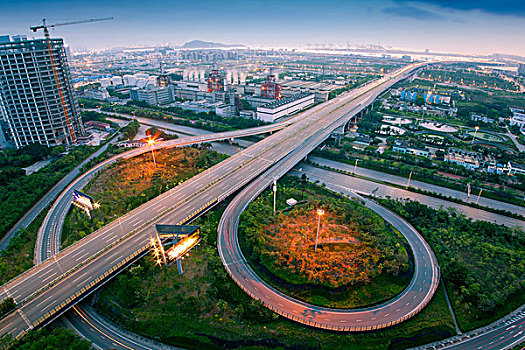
[(44, 280)]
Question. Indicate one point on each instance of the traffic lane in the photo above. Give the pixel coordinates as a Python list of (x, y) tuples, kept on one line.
[(177, 217), (52, 297), (381, 190), (398, 180), (182, 129), (13, 323), (43, 254), (505, 336), (19, 288), (66, 198), (103, 334), (215, 174)]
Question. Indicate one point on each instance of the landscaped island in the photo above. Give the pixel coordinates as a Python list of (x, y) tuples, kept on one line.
[(360, 259), (128, 183)]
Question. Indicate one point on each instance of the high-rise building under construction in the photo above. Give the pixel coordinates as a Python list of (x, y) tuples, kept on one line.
[(37, 100)]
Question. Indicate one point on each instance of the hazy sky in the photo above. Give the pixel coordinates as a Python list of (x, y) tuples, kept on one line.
[(464, 26)]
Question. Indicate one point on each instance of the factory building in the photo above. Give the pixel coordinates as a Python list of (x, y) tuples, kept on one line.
[(270, 88), (37, 100), (97, 94), (153, 95), (286, 106)]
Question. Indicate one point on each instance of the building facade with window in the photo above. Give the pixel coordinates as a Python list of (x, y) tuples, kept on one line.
[(37, 100)]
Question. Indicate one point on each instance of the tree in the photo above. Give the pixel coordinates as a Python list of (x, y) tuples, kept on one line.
[(304, 180), (58, 338), (6, 306), (420, 101)]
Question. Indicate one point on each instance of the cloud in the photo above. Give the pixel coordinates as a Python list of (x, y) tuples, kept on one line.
[(501, 7), (411, 12)]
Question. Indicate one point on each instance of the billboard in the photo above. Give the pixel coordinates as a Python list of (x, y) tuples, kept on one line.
[(183, 246), (84, 201)]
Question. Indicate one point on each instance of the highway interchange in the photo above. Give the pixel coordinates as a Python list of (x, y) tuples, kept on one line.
[(54, 286), (419, 292), (241, 168)]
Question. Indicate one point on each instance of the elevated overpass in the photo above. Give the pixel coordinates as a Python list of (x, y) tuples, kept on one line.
[(49, 233), (46, 291)]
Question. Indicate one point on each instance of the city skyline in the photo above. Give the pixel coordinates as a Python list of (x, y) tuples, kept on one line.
[(468, 27)]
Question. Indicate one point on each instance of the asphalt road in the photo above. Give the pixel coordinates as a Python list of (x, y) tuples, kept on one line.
[(402, 181), (110, 246), (105, 335), (341, 182), (181, 129), (500, 335)]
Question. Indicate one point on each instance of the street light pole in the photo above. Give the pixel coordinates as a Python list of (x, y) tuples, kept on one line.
[(409, 177), (355, 167), (475, 133), (120, 224), (320, 212), (274, 195), (151, 142), (479, 195), (153, 154)]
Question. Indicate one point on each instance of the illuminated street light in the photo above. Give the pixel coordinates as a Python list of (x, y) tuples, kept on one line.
[(151, 142), (320, 212), (475, 133), (274, 195)]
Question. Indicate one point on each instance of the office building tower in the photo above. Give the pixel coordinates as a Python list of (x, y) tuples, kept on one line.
[(37, 100)]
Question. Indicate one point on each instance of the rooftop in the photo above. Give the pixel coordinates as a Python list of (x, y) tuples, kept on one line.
[(286, 100)]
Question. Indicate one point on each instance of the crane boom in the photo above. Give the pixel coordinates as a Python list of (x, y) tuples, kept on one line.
[(44, 26)]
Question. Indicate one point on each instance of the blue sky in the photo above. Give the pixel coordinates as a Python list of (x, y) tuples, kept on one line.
[(464, 26)]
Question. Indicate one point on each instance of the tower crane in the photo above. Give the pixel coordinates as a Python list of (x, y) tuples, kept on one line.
[(45, 27)]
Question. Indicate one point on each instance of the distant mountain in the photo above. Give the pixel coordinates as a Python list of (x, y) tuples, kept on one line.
[(499, 56), (199, 44)]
